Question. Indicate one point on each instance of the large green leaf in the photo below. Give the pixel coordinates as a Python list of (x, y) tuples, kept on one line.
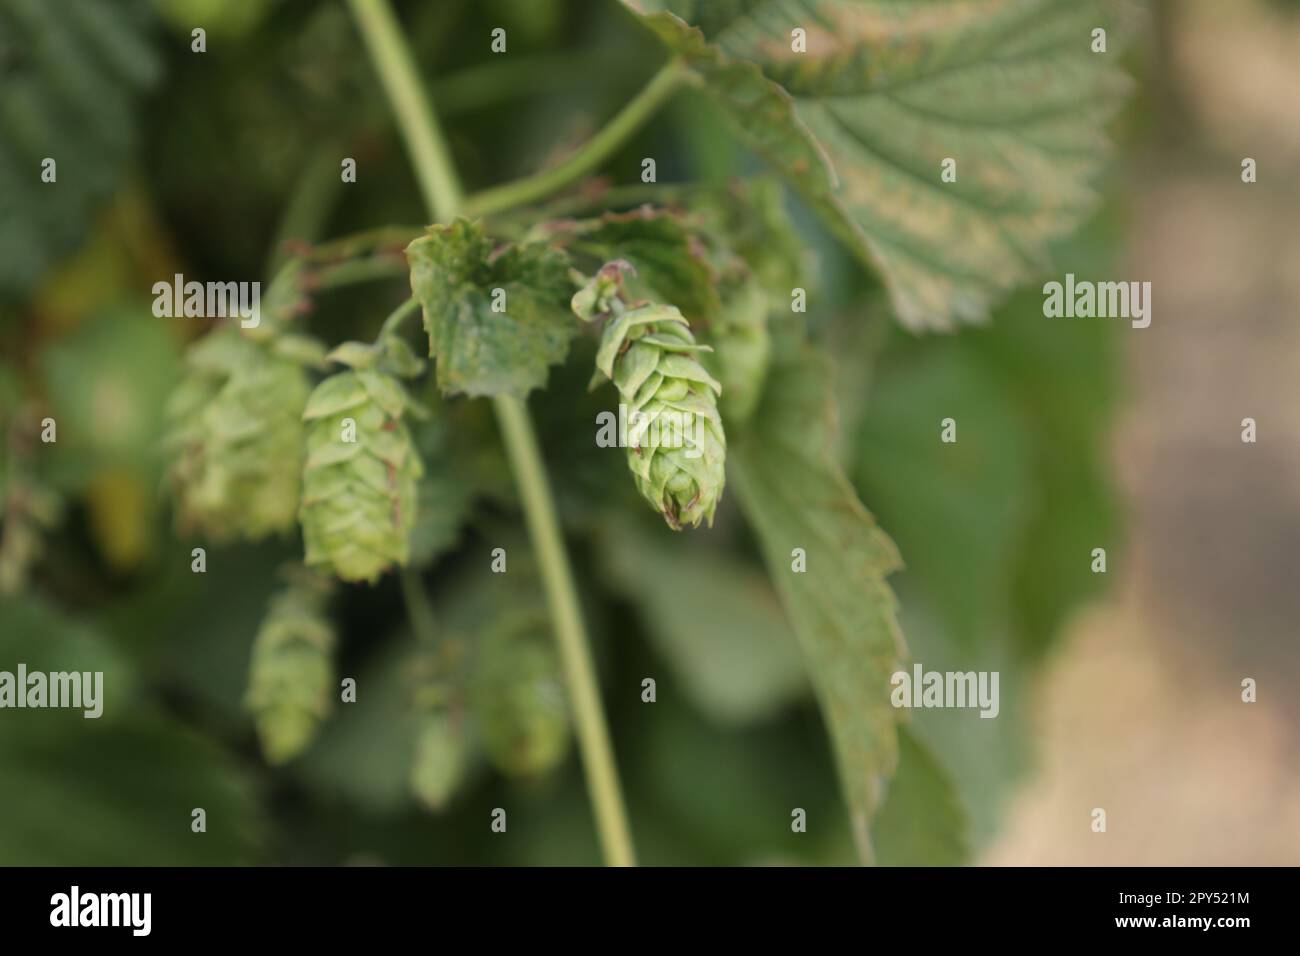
[(998, 527), (722, 632), (116, 790), (985, 759), (923, 821), (364, 751), (70, 76), (957, 510), (796, 496), (886, 90), (108, 384), (456, 271), (1065, 380), (663, 248)]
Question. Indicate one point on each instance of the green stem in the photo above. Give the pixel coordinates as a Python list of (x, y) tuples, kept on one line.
[(384, 239), (418, 607), (442, 193), (614, 198), (424, 141), (309, 207), (575, 653), (358, 270), (397, 317), (595, 151)]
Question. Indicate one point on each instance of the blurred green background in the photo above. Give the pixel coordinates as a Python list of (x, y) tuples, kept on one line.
[(1071, 439)]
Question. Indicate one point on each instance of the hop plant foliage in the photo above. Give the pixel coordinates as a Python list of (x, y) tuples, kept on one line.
[(676, 444), (291, 675), (360, 475), (235, 437), (518, 699)]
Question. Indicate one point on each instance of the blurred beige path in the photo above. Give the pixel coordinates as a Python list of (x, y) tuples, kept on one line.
[(1140, 710)]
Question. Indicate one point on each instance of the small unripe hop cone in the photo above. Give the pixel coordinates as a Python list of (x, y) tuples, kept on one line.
[(358, 497), (441, 759), (235, 438), (517, 697), (291, 674), (677, 448)]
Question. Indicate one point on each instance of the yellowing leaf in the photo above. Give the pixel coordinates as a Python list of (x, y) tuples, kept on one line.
[(862, 110), (122, 510)]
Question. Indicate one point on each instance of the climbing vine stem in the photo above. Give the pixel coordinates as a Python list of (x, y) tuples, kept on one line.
[(595, 151), (442, 193)]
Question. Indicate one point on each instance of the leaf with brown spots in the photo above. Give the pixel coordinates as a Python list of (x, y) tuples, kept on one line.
[(885, 91)]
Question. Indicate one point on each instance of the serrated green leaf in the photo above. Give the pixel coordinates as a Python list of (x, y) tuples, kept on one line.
[(723, 632), (862, 121), (70, 77), (957, 510), (454, 272), (116, 790), (1065, 381), (795, 496), (923, 821), (662, 247)]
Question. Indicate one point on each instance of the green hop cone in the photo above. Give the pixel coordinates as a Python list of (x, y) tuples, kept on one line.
[(517, 696), (441, 758), (360, 476), (291, 676), (677, 448), (743, 348), (235, 437)]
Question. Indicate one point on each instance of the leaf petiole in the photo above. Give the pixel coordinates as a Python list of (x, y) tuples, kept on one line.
[(661, 88), (397, 317)]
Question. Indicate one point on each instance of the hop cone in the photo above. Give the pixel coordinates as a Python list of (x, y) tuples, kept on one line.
[(676, 446), (518, 701), (440, 759), (359, 480), (235, 438), (291, 677)]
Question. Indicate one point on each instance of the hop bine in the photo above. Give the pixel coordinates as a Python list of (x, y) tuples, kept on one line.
[(676, 444), (291, 674), (359, 479), (235, 437)]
